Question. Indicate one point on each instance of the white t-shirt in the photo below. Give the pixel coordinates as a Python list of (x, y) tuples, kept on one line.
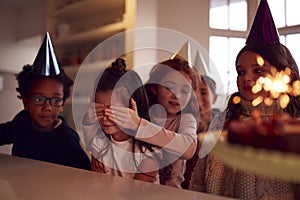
[(177, 142), (118, 158)]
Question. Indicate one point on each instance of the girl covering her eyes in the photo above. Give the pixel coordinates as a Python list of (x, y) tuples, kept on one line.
[(114, 150)]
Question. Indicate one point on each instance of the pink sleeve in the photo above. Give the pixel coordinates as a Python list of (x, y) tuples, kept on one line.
[(183, 142)]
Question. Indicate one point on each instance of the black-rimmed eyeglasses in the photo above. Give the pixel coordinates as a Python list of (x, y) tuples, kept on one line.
[(41, 100)]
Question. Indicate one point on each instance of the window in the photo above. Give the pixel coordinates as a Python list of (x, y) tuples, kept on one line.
[(223, 51), (228, 23), (285, 12), (228, 20), (228, 14), (278, 12), (286, 16), (293, 43), (292, 12)]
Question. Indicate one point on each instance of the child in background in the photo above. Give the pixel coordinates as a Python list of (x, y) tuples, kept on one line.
[(206, 98), (114, 151), (211, 175), (39, 132), (174, 113)]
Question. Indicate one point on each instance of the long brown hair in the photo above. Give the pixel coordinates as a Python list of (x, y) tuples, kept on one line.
[(280, 57), (157, 73)]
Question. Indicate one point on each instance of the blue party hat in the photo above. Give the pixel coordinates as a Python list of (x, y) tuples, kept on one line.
[(45, 63), (263, 30)]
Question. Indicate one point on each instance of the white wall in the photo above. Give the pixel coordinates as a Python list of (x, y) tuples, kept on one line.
[(10, 105), (187, 17), (14, 53), (32, 20)]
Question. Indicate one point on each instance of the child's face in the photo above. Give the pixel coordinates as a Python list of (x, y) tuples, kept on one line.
[(107, 125), (206, 98), (174, 92), (44, 116), (250, 66)]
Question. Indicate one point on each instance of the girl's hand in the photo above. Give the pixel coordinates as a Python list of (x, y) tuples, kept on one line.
[(149, 168), (94, 112), (97, 166), (125, 118)]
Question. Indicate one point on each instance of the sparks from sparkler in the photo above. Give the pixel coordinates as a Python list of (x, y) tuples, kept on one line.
[(278, 84)]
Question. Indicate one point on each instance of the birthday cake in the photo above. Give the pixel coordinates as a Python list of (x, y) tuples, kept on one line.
[(276, 133)]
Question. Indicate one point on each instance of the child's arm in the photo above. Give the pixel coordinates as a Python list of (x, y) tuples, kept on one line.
[(90, 123), (182, 143), (9, 130), (6, 133), (145, 167)]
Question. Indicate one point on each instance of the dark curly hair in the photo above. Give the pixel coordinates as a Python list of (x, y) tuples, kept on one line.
[(26, 78), (116, 76)]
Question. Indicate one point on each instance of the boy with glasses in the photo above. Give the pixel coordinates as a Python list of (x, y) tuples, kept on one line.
[(39, 132)]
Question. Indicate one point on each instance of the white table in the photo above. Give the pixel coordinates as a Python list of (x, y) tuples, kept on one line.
[(22, 178)]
